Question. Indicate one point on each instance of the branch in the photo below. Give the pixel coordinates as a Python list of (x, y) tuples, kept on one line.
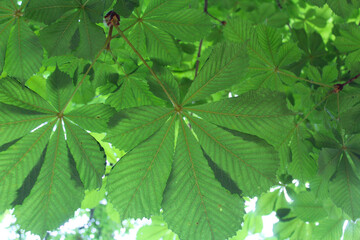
[(338, 87)]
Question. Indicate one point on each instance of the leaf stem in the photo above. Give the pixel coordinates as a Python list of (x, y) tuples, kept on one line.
[(197, 60), (147, 65)]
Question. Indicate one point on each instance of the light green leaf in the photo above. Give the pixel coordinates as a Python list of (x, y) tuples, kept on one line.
[(59, 89), (352, 231), (302, 166), (294, 230), (260, 113), (349, 41), (14, 93), (329, 229), (93, 117), (195, 205), (130, 127), (23, 53), (161, 46), (266, 203), (308, 208), (137, 182), (226, 66), (344, 189), (57, 192), (158, 229), (16, 122), (18, 160), (250, 162), (185, 24), (90, 162)]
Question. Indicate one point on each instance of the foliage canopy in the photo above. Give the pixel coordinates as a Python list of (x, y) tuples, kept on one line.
[(201, 114)]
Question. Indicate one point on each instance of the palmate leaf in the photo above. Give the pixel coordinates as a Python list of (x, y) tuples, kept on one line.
[(195, 205), (153, 23), (225, 67), (138, 180), (251, 162), (59, 165), (261, 113), (268, 55)]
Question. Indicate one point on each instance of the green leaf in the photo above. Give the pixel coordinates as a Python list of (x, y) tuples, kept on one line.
[(266, 203), (239, 30), (349, 41), (352, 231), (134, 92), (56, 182), (328, 161), (137, 182), (308, 208), (268, 59), (159, 7), (18, 160), (302, 166), (343, 8), (125, 7), (59, 89), (329, 229), (48, 11), (92, 38), (90, 162), (23, 53), (160, 45), (56, 37), (16, 122), (182, 23), (249, 161), (344, 189), (225, 67), (130, 127), (157, 230), (195, 205), (92, 117), (261, 113), (14, 93)]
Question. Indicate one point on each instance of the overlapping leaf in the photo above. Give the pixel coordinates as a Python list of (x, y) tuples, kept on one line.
[(71, 26), (56, 165), (184, 24)]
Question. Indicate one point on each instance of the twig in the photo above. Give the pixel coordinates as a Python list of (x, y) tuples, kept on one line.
[(279, 4), (338, 87), (215, 18), (197, 60)]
